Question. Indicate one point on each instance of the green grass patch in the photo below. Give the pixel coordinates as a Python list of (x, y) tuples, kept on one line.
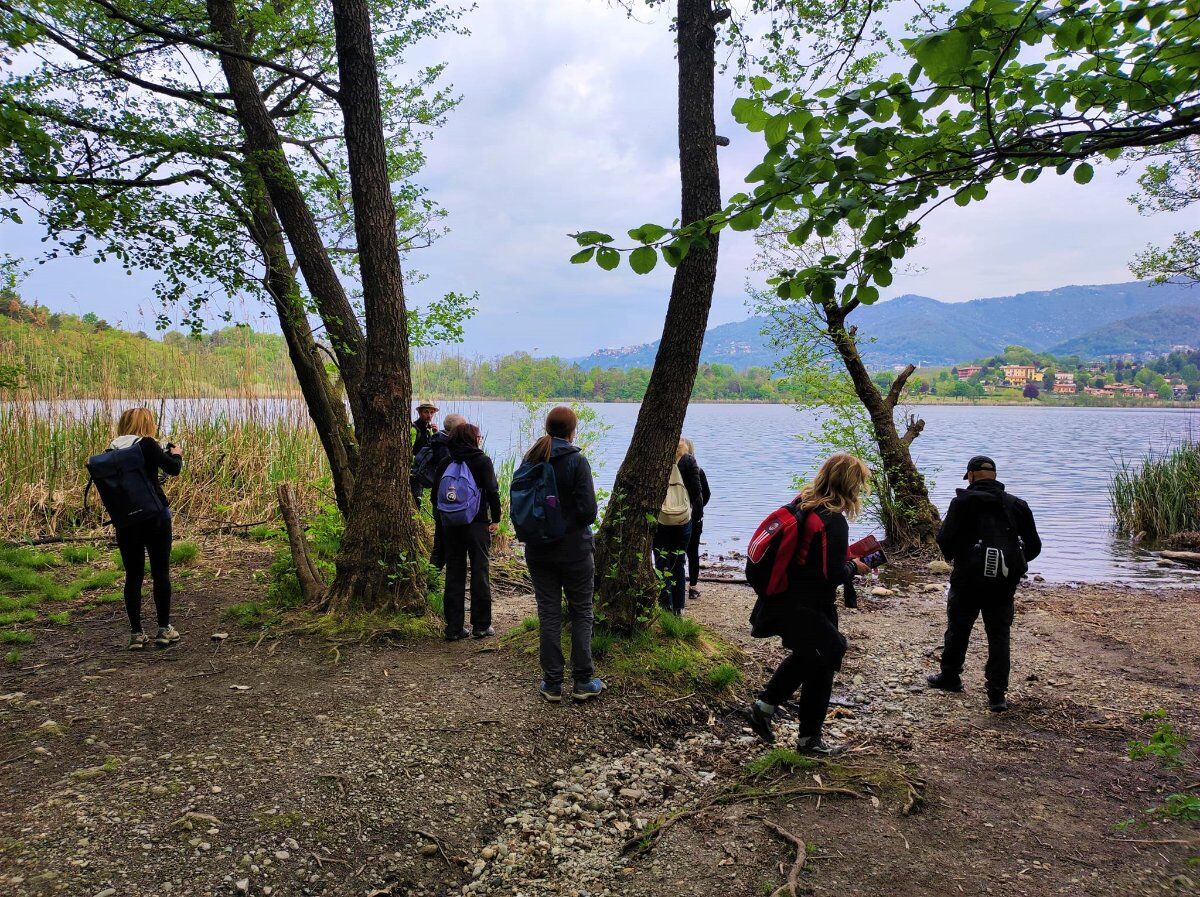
[(264, 532), (100, 579), (62, 618), (13, 656), (253, 614), (184, 553), (7, 603), (81, 554), (29, 557), (15, 637), (671, 657), (780, 760), (109, 598), (8, 618)]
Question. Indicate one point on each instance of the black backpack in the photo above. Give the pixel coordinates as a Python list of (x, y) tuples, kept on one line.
[(128, 493), (423, 467), (998, 553)]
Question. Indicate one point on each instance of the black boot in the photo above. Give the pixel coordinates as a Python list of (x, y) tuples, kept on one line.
[(812, 744), (943, 682), (760, 722), (997, 702)]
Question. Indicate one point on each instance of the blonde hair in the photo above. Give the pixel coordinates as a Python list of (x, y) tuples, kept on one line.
[(681, 449), (691, 446), (837, 487), (137, 422)]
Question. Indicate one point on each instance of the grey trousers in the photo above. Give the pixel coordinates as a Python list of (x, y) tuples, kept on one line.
[(552, 579)]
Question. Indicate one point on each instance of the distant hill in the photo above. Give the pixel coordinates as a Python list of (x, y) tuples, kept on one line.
[(923, 330)]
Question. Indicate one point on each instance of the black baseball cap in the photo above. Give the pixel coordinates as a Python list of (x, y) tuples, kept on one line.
[(980, 462)]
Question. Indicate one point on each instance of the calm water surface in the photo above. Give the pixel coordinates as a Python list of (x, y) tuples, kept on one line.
[(1057, 459)]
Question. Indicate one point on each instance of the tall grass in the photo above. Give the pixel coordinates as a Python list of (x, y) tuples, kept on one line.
[(1160, 496), (236, 449)]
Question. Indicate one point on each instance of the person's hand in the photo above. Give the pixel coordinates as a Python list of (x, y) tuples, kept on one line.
[(861, 569), (493, 528), (176, 451)]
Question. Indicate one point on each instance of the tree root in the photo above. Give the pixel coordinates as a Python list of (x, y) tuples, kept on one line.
[(793, 879)]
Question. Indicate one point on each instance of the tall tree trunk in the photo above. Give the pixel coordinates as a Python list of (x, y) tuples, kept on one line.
[(266, 152), (324, 404), (627, 585), (381, 562), (911, 521)]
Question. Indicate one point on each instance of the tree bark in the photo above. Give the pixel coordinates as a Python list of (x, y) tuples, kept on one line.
[(324, 405), (312, 586), (626, 580), (910, 519), (265, 151), (381, 562)]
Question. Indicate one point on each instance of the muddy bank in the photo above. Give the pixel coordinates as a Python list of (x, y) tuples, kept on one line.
[(270, 767)]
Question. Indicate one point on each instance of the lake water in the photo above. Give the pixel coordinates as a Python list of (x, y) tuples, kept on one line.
[(1058, 459)]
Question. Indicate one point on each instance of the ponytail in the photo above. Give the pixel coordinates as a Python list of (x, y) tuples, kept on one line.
[(560, 424)]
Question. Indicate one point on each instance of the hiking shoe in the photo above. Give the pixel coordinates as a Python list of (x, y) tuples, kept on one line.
[(760, 722), (585, 690), (138, 641), (458, 636), (942, 682), (813, 745), (997, 701), (167, 635), (484, 633), (693, 593), (552, 693)]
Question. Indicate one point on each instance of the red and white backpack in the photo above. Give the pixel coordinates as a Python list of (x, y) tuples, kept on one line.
[(782, 543)]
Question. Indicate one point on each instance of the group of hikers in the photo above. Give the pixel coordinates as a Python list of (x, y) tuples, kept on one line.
[(800, 556)]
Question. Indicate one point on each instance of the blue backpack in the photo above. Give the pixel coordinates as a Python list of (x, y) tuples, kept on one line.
[(125, 488), (458, 495), (533, 504)]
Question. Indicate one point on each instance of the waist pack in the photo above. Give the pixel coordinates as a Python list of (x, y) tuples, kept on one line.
[(534, 506), (998, 554), (458, 495), (677, 506), (126, 490)]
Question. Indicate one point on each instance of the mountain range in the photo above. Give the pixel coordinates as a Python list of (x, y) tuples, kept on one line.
[(1090, 321)]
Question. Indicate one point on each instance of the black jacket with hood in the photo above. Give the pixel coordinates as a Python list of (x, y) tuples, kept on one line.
[(577, 501), (696, 484), (960, 528), (484, 473)]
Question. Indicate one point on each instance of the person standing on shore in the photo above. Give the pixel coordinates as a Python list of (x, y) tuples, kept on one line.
[(468, 508), (672, 535), (696, 482), (425, 469), (804, 616), (423, 430), (989, 535), (553, 508)]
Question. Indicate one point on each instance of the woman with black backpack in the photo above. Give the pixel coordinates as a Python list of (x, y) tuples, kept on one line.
[(467, 502), (151, 536), (804, 615)]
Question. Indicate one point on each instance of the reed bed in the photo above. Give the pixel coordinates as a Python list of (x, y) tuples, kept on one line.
[(1160, 496), (236, 449)]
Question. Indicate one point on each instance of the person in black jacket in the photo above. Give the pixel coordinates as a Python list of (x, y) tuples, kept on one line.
[(470, 541), (424, 430), (566, 567), (696, 482), (148, 538), (806, 617), (440, 451), (983, 505)]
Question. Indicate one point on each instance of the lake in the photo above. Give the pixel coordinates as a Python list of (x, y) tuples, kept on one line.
[(1058, 459)]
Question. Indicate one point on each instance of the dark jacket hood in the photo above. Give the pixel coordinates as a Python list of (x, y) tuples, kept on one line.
[(460, 452), (985, 491), (560, 447)]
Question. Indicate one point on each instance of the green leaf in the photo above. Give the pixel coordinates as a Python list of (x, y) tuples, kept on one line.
[(592, 237), (643, 259), (1083, 173), (608, 258), (759, 83), (944, 54), (777, 130), (584, 255), (747, 220)]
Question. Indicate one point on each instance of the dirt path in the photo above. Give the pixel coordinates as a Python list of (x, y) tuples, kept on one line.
[(268, 768)]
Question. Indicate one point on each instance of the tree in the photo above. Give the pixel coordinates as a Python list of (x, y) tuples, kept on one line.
[(626, 580), (1031, 391), (1170, 183), (127, 138)]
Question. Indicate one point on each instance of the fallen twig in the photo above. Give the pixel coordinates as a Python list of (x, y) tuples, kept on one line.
[(438, 842), (793, 879)]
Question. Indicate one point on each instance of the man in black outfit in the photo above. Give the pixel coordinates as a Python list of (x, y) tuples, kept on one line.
[(979, 515)]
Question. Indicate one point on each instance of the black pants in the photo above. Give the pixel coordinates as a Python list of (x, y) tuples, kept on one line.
[(670, 550), (693, 552), (460, 544), (555, 578), (963, 606), (135, 543), (811, 668)]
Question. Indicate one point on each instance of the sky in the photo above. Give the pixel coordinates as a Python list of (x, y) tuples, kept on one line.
[(567, 123)]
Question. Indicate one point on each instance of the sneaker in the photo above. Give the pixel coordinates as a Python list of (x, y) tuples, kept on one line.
[(585, 690), (484, 633), (458, 636), (552, 693), (997, 701), (138, 641), (812, 744), (167, 635), (942, 682), (760, 722), (693, 593)]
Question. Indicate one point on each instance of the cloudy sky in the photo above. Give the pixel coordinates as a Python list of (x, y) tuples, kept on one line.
[(568, 123)]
